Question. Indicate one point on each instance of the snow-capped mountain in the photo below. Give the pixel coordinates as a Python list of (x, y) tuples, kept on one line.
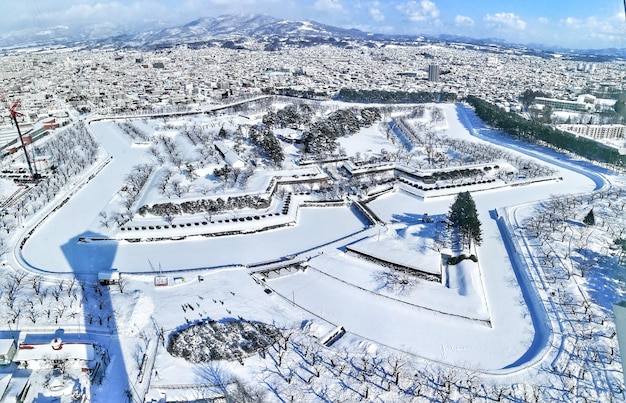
[(212, 27), (254, 26), (62, 35), (230, 27)]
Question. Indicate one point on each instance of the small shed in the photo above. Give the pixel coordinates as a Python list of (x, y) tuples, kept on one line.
[(161, 281), (7, 351), (109, 277)]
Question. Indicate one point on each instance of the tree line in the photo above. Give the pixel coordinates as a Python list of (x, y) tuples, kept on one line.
[(538, 133), (208, 206), (393, 97)]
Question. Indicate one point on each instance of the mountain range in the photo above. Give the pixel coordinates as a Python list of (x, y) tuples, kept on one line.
[(240, 31)]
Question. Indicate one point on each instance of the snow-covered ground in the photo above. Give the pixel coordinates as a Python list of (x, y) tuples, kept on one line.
[(489, 318)]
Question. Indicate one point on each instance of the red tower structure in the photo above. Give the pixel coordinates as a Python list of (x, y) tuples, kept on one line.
[(14, 114)]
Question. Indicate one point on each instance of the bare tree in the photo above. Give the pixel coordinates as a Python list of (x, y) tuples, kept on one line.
[(104, 219), (122, 284), (36, 282)]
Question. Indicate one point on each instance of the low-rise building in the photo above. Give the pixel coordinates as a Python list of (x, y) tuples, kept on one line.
[(44, 355), (230, 157)]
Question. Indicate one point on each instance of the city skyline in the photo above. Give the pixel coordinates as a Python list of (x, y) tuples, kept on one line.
[(571, 24)]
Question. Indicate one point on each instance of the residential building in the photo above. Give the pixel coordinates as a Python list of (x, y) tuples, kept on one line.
[(596, 131)]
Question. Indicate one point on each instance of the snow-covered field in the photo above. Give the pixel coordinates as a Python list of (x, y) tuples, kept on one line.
[(503, 327)]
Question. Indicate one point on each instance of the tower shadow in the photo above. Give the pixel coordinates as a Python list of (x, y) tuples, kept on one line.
[(87, 258)]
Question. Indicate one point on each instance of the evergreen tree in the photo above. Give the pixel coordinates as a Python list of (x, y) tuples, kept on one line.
[(305, 113), (263, 137), (287, 116), (270, 119), (370, 116), (464, 218), (589, 219), (222, 133), (319, 139)]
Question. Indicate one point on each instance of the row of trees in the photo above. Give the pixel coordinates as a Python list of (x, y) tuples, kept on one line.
[(393, 97), (298, 368), (72, 151), (134, 132), (135, 181), (34, 300), (536, 132), (458, 152), (558, 221), (208, 206), (564, 252)]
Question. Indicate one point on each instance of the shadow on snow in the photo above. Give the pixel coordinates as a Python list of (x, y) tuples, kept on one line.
[(87, 259)]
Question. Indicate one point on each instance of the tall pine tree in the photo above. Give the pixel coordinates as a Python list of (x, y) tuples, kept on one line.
[(464, 219)]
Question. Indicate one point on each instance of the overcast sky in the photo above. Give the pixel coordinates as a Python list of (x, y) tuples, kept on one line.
[(568, 23)]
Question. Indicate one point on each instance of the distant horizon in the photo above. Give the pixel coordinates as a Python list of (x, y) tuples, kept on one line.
[(569, 24)]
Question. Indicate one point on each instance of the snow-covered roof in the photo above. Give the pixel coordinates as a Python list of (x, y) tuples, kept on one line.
[(231, 157), (5, 379), (290, 133), (112, 275), (13, 385), (65, 351)]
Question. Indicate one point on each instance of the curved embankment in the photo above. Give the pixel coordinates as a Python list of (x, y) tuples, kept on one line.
[(52, 245)]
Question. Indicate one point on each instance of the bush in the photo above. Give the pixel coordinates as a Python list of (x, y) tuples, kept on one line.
[(225, 340), (458, 259)]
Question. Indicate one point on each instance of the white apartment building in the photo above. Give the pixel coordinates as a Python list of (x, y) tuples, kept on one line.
[(596, 131)]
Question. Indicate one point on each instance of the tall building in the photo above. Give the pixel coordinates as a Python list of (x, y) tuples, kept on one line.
[(433, 73)]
